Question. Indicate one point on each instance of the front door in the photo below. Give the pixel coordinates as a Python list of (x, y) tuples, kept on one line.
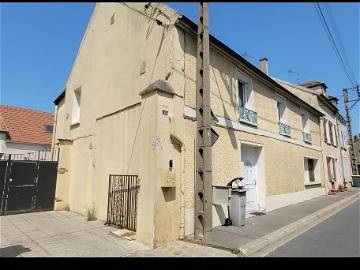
[(250, 184)]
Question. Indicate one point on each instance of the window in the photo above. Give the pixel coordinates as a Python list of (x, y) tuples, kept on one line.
[(335, 136), (280, 105), (331, 129), (244, 90), (75, 119), (325, 131), (331, 166), (48, 128), (242, 94), (328, 130), (311, 170), (305, 121)]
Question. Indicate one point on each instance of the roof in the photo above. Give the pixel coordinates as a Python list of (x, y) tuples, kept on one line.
[(333, 98), (189, 25), (326, 100), (60, 97), (159, 85), (25, 125), (312, 83)]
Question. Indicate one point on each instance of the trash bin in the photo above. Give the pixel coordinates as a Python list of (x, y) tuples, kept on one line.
[(238, 207)]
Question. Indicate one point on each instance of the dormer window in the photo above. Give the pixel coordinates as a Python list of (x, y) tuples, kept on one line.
[(48, 128)]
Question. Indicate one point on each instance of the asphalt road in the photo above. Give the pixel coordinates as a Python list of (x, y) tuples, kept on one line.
[(338, 236)]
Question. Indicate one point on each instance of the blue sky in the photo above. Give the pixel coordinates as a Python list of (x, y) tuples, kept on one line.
[(39, 43)]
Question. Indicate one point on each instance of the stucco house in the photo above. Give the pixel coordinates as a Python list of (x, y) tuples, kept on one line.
[(129, 109), (24, 131), (334, 136), (357, 151)]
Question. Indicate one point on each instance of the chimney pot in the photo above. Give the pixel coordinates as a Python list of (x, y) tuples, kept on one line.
[(264, 65)]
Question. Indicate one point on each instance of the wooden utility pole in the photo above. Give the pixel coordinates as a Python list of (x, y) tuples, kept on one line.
[(203, 181), (348, 123)]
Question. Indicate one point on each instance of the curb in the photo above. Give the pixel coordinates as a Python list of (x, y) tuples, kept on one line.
[(268, 243)]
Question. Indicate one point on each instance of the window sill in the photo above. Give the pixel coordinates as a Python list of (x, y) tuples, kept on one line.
[(313, 183), (75, 124)]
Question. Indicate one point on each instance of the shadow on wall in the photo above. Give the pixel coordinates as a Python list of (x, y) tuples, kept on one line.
[(228, 87), (13, 251), (191, 50)]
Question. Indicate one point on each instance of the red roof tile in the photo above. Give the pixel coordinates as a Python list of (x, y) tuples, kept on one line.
[(26, 125)]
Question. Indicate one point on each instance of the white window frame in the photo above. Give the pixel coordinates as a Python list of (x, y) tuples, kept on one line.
[(328, 131), (334, 133), (306, 126), (76, 107), (248, 90), (283, 118), (317, 176)]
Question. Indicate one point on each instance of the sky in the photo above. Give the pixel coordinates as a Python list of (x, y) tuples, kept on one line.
[(39, 43)]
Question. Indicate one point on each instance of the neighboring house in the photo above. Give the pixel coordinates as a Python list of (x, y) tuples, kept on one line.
[(129, 108), (24, 131), (336, 157), (357, 151)]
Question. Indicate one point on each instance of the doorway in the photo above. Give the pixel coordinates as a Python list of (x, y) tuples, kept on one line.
[(251, 164)]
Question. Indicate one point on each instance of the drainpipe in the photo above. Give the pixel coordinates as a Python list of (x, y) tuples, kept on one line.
[(182, 192), (54, 131)]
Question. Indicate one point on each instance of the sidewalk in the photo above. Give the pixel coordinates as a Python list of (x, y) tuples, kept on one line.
[(232, 237)]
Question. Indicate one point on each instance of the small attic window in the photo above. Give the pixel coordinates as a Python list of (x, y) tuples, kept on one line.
[(48, 128)]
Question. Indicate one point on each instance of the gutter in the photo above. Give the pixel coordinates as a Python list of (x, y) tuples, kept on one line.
[(60, 97)]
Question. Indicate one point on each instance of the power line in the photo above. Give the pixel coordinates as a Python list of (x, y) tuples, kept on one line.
[(338, 39), (332, 42)]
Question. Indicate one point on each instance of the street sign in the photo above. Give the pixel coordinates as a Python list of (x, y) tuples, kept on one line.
[(214, 136)]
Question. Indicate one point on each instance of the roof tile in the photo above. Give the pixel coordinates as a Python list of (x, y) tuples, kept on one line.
[(26, 125)]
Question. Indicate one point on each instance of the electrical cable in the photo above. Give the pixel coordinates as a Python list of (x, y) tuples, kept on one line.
[(332, 42)]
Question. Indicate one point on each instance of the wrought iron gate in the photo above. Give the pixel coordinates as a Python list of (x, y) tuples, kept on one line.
[(27, 182), (122, 201)]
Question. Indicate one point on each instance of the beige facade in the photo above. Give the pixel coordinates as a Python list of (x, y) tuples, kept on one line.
[(334, 138), (129, 109)]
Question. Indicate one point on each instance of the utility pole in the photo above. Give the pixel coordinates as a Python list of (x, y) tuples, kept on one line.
[(351, 142), (203, 181)]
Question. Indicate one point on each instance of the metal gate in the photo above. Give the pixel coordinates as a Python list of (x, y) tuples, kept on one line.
[(28, 182), (122, 201)]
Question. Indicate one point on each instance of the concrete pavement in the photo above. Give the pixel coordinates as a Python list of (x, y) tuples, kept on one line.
[(68, 234), (338, 236), (259, 227)]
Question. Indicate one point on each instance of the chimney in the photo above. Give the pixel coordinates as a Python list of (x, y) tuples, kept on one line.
[(334, 100), (264, 65)]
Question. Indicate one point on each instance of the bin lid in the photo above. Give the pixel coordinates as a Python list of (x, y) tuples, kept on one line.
[(239, 190), (235, 183)]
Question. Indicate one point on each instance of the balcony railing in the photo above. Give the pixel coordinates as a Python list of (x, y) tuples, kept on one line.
[(307, 137), (248, 116), (284, 129)]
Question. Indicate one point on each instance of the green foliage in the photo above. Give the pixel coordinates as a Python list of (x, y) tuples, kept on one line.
[(91, 213)]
